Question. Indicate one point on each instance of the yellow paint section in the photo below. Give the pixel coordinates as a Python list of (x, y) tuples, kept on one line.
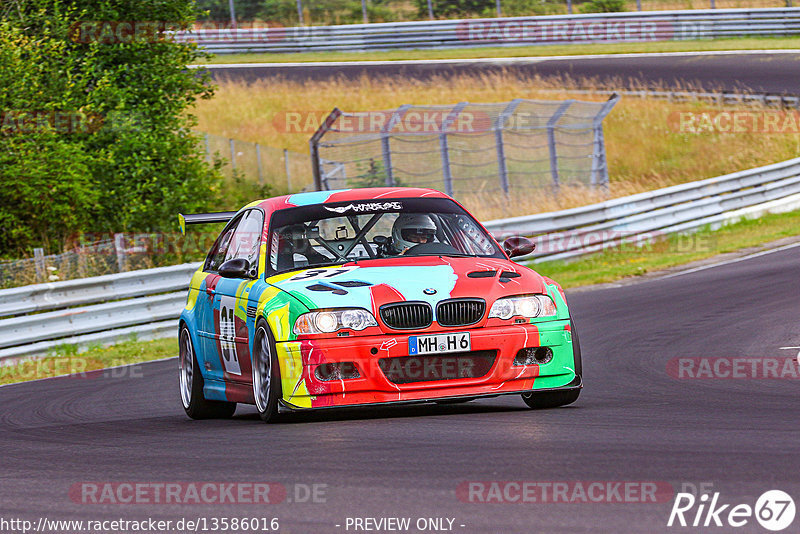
[(194, 289), (292, 384), (278, 320)]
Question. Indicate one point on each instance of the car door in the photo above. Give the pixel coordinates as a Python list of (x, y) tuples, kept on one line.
[(236, 300), (207, 331)]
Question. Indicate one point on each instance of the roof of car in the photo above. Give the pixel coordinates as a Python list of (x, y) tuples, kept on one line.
[(346, 195)]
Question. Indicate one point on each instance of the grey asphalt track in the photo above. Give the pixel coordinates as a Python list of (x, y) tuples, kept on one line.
[(774, 73), (633, 422)]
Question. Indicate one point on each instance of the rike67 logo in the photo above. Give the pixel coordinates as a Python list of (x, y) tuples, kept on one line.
[(774, 510)]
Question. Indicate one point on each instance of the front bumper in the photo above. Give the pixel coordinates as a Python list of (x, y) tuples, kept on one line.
[(302, 388)]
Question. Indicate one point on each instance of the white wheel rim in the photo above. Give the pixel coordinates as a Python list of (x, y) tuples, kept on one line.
[(262, 363), (186, 367)]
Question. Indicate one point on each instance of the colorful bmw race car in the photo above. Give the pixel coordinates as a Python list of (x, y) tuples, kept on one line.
[(368, 297)]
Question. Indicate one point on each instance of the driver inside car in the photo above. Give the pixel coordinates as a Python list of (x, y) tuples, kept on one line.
[(410, 230)]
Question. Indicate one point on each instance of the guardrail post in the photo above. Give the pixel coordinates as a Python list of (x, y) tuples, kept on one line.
[(599, 172), (300, 11), (39, 264), (502, 166), (364, 11), (551, 140), (233, 154), (119, 248), (430, 9), (569, 7), (446, 174)]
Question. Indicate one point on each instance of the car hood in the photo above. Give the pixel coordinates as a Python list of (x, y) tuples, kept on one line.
[(372, 283)]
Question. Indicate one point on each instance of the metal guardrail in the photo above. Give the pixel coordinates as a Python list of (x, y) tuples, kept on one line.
[(516, 31), (636, 218), (147, 303), (39, 318)]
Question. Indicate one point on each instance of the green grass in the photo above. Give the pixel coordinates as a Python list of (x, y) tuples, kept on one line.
[(609, 266), (521, 51), (615, 264), (67, 361)]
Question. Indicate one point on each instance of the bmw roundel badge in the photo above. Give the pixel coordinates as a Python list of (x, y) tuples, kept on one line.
[(429, 291)]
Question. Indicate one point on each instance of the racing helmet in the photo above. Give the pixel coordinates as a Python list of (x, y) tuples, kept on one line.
[(411, 229)]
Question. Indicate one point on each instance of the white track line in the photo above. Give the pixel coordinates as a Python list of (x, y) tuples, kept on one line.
[(728, 262), (497, 60)]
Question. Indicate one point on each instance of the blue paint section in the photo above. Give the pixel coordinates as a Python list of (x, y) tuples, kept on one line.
[(409, 281), (312, 197)]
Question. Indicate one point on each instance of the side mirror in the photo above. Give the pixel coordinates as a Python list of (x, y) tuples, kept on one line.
[(235, 268), (518, 246)]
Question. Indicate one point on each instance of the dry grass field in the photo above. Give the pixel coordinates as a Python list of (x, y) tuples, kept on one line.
[(645, 148)]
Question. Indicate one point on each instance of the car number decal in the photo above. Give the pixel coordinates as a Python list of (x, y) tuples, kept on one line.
[(227, 335), (314, 274)]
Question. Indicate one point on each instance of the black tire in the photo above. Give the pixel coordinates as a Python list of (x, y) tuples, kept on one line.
[(265, 363), (191, 384), (554, 399), (576, 350), (550, 399)]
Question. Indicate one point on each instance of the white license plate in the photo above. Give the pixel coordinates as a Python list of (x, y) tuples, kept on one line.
[(439, 343)]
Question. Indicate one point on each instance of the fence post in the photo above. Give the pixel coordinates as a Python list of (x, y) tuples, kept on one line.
[(39, 263), (569, 7), (599, 172), (386, 148), (313, 144), (430, 10), (258, 160), (233, 154), (364, 11), (443, 148), (233, 13), (119, 248), (551, 140), (300, 11), (288, 174), (497, 5), (502, 166), (638, 5)]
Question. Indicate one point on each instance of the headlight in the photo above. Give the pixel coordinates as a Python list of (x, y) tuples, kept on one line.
[(329, 321), (524, 305)]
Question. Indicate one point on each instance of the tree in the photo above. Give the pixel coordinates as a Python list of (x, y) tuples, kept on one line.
[(96, 125)]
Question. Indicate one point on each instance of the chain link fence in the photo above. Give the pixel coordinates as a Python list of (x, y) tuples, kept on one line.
[(286, 171), (512, 148), (117, 253)]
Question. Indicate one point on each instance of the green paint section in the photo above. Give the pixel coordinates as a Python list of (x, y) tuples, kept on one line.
[(559, 371)]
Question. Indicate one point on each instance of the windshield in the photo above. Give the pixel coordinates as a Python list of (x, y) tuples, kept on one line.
[(336, 233)]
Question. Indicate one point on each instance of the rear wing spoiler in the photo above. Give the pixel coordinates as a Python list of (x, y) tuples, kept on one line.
[(201, 218)]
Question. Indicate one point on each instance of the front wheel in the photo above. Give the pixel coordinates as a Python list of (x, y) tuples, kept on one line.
[(191, 385), (553, 399), (266, 375)]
